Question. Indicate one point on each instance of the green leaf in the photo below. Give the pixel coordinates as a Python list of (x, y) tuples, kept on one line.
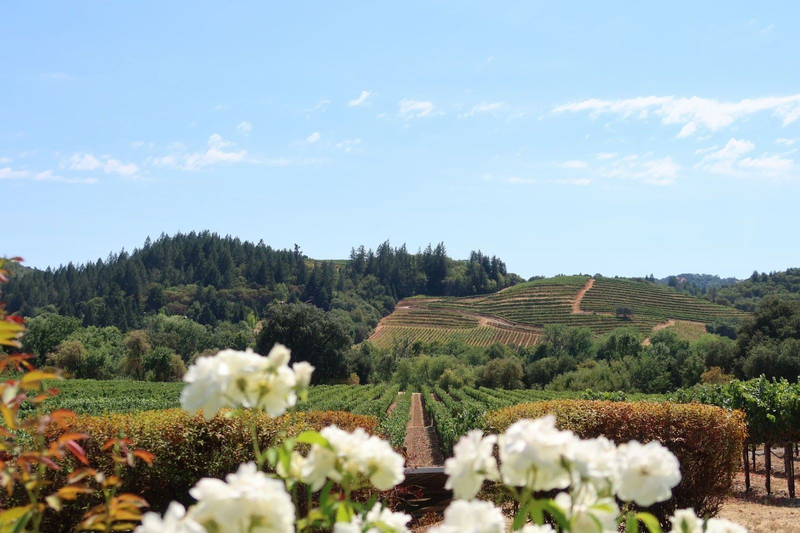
[(344, 513), (631, 524), (556, 512), (312, 437), (650, 521)]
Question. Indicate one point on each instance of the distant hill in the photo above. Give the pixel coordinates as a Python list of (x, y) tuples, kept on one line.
[(701, 282), (517, 315)]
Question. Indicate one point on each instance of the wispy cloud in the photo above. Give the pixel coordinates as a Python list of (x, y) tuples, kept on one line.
[(417, 108), (661, 171), (314, 137), (4, 160), (47, 175), (215, 153), (581, 182), (730, 160), (349, 145), (483, 107), (220, 107), (785, 142), (606, 155), (110, 166), (693, 113), (574, 164), (319, 107), (360, 100), (244, 128)]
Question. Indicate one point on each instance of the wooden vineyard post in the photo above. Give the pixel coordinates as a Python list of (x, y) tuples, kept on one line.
[(789, 467), (753, 450), (768, 465), (746, 469)]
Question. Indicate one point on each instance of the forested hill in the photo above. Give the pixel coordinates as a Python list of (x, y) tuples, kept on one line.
[(744, 295), (210, 279)]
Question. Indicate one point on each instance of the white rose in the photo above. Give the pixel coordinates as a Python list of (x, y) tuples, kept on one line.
[(719, 525), (295, 470), (383, 520), (247, 501), (355, 525), (587, 513), (686, 521), (381, 464), (279, 356), (208, 381), (533, 528), (471, 464), (174, 521), (532, 453), (646, 473), (594, 460), (473, 516), (318, 467), (302, 372)]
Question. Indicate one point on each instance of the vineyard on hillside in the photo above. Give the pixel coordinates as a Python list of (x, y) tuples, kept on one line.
[(517, 315)]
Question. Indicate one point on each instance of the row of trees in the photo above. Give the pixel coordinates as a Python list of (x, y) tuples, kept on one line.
[(213, 279)]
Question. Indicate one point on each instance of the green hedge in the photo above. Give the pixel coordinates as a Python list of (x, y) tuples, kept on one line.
[(707, 440)]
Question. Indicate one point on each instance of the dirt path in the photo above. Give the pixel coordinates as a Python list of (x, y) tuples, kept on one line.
[(576, 303), (658, 327), (422, 444)]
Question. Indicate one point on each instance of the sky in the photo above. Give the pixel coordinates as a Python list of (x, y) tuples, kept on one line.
[(594, 137)]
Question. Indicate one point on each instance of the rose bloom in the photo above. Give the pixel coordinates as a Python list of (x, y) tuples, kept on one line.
[(719, 525), (686, 521), (357, 454), (471, 464), (378, 520), (587, 513), (593, 460), (233, 378), (531, 454), (533, 528), (174, 521), (646, 473), (246, 502), (473, 516)]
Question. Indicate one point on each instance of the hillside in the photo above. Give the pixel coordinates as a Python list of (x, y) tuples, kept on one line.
[(518, 314)]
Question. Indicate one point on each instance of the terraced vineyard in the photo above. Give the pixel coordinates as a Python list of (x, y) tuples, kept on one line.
[(518, 314)]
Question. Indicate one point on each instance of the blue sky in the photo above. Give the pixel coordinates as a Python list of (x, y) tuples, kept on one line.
[(593, 137)]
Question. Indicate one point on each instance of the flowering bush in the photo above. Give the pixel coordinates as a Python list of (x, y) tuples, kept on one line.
[(535, 456)]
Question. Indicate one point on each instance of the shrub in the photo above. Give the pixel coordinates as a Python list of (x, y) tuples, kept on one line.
[(188, 448), (707, 440)]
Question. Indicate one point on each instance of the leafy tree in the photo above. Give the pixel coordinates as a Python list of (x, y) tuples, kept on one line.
[(45, 332), (311, 335)]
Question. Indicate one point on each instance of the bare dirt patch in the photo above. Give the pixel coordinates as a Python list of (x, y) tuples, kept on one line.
[(576, 303), (421, 444)]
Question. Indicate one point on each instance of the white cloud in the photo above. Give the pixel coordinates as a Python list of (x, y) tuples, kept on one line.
[(700, 151), (213, 155), (118, 167), (483, 108), (349, 145), (360, 100), (785, 142), (84, 162), (768, 28), (220, 107), (60, 76), (653, 171), (137, 144), (47, 175), (5, 160), (574, 164), (320, 106), (244, 127), (581, 182), (730, 161), (314, 137), (702, 112), (521, 181), (606, 155), (687, 130), (416, 108)]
